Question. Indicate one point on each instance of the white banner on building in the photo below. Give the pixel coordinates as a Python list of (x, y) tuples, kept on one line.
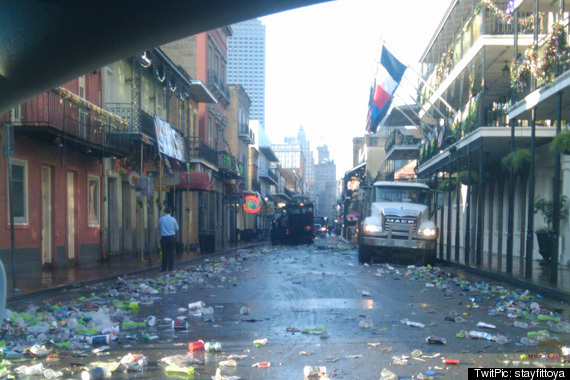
[(170, 141)]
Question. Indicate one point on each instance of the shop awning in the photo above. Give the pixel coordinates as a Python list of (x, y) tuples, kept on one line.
[(195, 181)]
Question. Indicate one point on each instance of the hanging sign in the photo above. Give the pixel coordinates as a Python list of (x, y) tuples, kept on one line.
[(252, 204)]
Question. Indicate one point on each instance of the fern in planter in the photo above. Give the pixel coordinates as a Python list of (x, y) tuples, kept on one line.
[(562, 142), (546, 208), (519, 160), (463, 175)]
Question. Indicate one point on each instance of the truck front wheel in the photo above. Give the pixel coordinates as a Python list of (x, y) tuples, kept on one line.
[(364, 254)]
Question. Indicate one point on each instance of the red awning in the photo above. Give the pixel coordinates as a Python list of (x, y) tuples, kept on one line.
[(195, 181)]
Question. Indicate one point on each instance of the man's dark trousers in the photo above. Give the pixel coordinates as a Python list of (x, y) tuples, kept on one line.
[(167, 244)]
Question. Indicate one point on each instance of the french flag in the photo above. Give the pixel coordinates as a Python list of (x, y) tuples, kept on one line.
[(388, 77)]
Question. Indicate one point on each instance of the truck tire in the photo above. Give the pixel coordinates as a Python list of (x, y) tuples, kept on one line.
[(364, 254)]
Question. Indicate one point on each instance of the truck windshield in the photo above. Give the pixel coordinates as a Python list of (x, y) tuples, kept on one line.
[(401, 194)]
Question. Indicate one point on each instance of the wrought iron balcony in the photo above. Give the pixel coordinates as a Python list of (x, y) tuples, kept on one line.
[(398, 138), (255, 185), (228, 166), (246, 134), (198, 149), (81, 125), (269, 176), (217, 85)]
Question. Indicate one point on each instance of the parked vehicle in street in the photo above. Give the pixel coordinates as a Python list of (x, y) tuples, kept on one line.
[(295, 226), (320, 225), (398, 222)]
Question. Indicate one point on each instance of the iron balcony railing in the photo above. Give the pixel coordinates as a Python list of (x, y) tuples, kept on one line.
[(228, 162), (484, 21), (398, 138), (197, 148), (125, 110), (213, 78), (218, 86), (269, 174), (255, 185), (61, 110), (246, 133)]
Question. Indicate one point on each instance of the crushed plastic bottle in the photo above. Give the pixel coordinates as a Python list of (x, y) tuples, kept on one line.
[(480, 335), (486, 325), (177, 369), (36, 369), (520, 325), (386, 374), (407, 322), (501, 339), (260, 342), (48, 373), (538, 334), (196, 305)]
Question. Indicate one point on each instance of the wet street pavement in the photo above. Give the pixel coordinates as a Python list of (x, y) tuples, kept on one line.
[(304, 306)]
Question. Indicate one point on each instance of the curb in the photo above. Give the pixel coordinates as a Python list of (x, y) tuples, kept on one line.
[(15, 299)]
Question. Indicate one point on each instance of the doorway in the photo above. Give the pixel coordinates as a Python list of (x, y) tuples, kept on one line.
[(46, 216), (113, 215), (70, 216), (127, 237)]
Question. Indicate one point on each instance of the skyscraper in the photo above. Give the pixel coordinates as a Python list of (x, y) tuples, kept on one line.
[(246, 64)]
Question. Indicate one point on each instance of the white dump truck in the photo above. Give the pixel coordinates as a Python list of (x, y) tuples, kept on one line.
[(398, 222)]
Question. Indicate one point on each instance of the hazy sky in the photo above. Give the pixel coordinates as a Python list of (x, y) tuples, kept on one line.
[(321, 61)]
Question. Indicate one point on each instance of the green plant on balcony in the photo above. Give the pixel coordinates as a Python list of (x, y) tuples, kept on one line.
[(518, 160), (556, 50), (562, 142), (542, 67), (544, 236), (546, 209), (521, 70), (463, 175)]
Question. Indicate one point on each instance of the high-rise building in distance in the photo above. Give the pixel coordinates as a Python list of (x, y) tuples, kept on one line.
[(246, 64)]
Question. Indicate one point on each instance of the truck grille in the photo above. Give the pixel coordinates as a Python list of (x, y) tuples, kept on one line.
[(400, 223)]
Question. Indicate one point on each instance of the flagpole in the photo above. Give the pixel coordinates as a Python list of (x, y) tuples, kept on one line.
[(437, 109), (421, 129), (383, 42), (434, 92)]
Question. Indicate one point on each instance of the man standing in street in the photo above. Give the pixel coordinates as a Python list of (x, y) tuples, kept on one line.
[(168, 228)]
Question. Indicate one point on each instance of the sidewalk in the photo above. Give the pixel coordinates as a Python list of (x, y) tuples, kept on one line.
[(53, 280)]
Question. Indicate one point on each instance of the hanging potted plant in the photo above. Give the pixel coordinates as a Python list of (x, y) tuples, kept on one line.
[(519, 160), (562, 142), (544, 235)]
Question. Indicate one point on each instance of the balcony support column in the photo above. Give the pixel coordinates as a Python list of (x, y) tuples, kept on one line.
[(448, 248), (480, 211), (135, 93), (441, 235), (511, 204), (530, 225), (457, 209), (556, 202), (468, 209)]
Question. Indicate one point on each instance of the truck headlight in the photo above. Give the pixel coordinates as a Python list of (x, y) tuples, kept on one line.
[(428, 232), (372, 228)]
